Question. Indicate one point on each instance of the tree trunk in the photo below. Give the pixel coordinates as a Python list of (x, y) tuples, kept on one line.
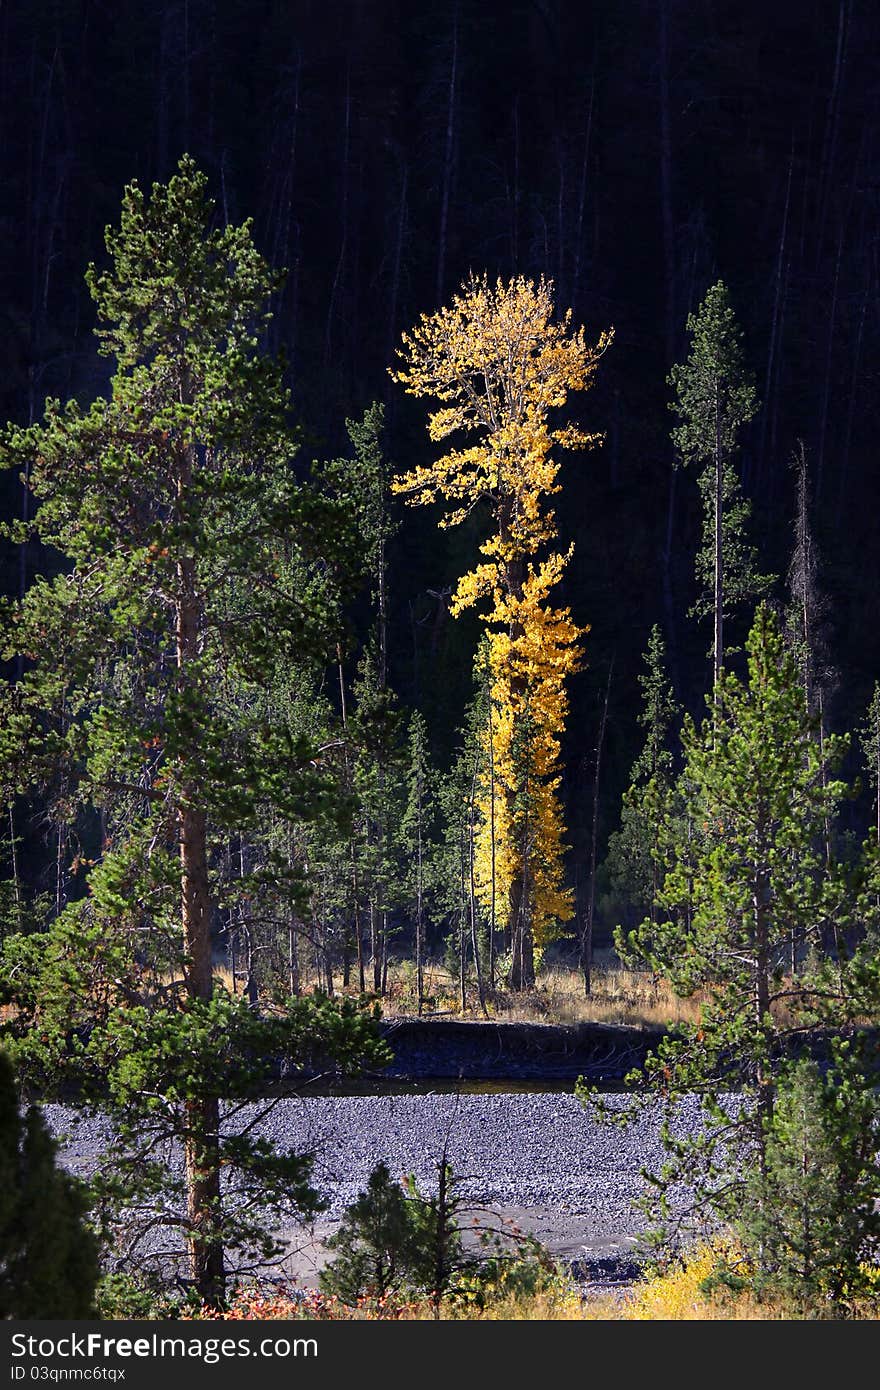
[(441, 1236), (420, 925), (293, 980), (202, 1132), (718, 644), (582, 198), (774, 330), (16, 882), (763, 1075), (492, 846), (475, 945), (448, 161), (522, 965), (587, 936)]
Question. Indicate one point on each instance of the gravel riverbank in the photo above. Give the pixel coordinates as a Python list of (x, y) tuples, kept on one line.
[(539, 1159)]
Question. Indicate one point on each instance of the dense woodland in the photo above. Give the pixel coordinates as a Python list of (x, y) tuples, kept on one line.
[(634, 153), (260, 711)]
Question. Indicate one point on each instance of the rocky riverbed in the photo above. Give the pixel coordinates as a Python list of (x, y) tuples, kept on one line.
[(540, 1160)]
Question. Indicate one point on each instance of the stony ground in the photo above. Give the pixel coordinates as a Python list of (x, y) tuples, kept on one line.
[(539, 1160)]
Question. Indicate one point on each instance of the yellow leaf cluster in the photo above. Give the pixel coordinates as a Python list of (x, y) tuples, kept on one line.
[(498, 361), (532, 649)]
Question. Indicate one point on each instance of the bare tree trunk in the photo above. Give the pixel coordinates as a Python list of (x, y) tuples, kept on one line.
[(774, 325), (667, 218), (355, 886), (832, 126), (718, 645), (293, 977), (843, 472), (420, 925), (384, 952), (522, 966), (762, 1003), (587, 937), (492, 844), (59, 867), (375, 946), (16, 882), (582, 198), (343, 224), (202, 1133), (399, 240), (448, 161), (666, 206), (472, 898), (826, 389), (441, 1235)]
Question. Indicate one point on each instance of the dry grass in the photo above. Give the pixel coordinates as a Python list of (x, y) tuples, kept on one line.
[(617, 996)]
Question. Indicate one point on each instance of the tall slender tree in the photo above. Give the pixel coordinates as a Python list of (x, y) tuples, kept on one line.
[(631, 866), (499, 364), (870, 740), (714, 399), (192, 561), (416, 840)]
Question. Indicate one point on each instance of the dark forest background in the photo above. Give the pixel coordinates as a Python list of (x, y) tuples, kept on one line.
[(635, 151)]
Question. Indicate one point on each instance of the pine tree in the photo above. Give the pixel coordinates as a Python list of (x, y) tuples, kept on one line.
[(470, 919), (742, 872), (630, 866), (498, 364), (416, 840), (809, 1226), (360, 483), (48, 1255), (379, 1248), (376, 728), (194, 568), (870, 740), (807, 609), (714, 399)]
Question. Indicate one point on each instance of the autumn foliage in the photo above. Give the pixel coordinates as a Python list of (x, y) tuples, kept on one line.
[(499, 364)]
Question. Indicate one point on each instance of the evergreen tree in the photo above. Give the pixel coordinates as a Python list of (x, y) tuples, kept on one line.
[(416, 841), (48, 1255), (809, 1224), (742, 872), (194, 564), (630, 866), (470, 920), (870, 741), (714, 399), (377, 735), (807, 609), (394, 1239), (380, 1246), (360, 483)]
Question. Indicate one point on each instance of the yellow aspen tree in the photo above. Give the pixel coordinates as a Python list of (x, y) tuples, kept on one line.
[(499, 362)]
